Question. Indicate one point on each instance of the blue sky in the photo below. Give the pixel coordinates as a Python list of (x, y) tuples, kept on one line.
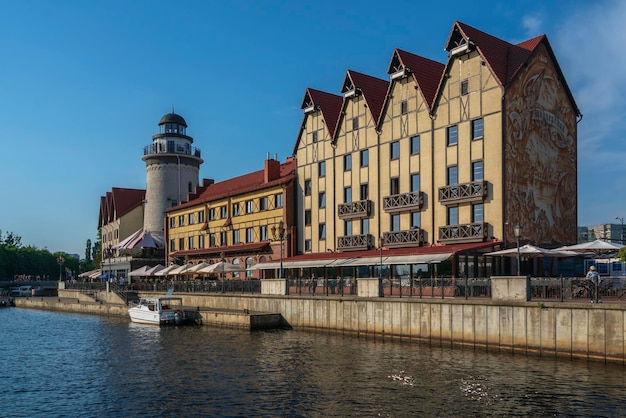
[(83, 85)]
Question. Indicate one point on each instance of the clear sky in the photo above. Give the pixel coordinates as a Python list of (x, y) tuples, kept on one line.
[(83, 85)]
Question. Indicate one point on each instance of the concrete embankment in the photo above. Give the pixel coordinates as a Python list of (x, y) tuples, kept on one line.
[(572, 330)]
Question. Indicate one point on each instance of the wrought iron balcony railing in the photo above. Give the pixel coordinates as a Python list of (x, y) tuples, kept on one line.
[(157, 148), (409, 238), (474, 232), (403, 202), (355, 210), (355, 242), (474, 191)]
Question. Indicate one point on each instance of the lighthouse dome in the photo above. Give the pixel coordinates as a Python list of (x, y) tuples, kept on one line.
[(173, 118)]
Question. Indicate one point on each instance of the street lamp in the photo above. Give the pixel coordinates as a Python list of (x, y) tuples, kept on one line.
[(517, 230), (380, 270), (109, 255), (622, 231), (223, 260), (279, 235), (61, 261)]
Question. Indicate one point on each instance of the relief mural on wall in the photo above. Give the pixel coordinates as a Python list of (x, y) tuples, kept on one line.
[(540, 159)]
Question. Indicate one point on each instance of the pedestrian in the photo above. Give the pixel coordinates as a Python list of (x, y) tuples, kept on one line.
[(594, 281), (313, 284)]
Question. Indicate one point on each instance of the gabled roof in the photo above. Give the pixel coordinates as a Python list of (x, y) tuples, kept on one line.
[(118, 202), (240, 185), (374, 91), (327, 103), (426, 72), (503, 58)]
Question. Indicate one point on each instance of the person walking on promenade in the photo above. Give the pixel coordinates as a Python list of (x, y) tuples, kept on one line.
[(313, 284), (594, 281)]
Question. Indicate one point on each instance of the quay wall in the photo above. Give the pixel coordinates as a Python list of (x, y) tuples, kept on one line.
[(574, 330)]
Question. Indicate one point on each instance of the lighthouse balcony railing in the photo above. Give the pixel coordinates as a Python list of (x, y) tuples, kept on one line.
[(160, 149)]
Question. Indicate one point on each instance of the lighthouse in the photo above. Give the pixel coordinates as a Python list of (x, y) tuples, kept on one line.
[(172, 171)]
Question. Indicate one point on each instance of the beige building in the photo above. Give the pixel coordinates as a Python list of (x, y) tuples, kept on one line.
[(441, 154), (236, 220)]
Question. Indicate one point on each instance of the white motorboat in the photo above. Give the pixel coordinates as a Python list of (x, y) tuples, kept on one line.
[(163, 310)]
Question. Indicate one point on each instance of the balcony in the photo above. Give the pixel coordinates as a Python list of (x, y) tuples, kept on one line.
[(157, 148), (409, 238), (474, 191), (355, 242), (403, 202), (474, 232), (355, 210)]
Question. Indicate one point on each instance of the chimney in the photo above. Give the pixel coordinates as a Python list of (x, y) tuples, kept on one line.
[(272, 170)]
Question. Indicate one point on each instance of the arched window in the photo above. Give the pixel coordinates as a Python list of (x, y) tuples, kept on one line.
[(236, 273), (249, 261)]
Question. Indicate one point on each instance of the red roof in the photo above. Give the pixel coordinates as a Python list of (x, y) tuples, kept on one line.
[(374, 91), (239, 185), (327, 103), (426, 73), (118, 202), (228, 249)]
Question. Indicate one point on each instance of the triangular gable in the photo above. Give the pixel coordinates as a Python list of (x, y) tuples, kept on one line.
[(426, 73), (327, 103), (374, 91)]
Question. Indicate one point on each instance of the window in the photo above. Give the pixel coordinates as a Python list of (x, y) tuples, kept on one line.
[(249, 206), (249, 262), (190, 243), (452, 135), (192, 218), (278, 201), (416, 220), (223, 238), (235, 262), (365, 226), (201, 216), (174, 202), (235, 209), (236, 237), (172, 222), (172, 245), (395, 150), (478, 212), (308, 245), (453, 175), (263, 233), (249, 235), (263, 203), (314, 136), (321, 168), (415, 182), (212, 242), (212, 214), (347, 162), (307, 217), (181, 220), (181, 244), (355, 123), (394, 187), (347, 228), (477, 171), (395, 222), (307, 187), (223, 212), (364, 191), (200, 241), (404, 107), (322, 199), (322, 231), (477, 129), (464, 87), (365, 158), (453, 215), (415, 145), (189, 187), (347, 194)]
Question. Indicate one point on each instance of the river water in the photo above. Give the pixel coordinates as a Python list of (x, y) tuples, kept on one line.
[(68, 365)]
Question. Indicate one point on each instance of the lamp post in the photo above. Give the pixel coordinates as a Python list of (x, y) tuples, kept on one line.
[(279, 235), (622, 230), (61, 261), (380, 270), (517, 230), (222, 255), (109, 255)]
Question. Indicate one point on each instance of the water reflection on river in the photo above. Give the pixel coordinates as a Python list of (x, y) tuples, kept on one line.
[(56, 364)]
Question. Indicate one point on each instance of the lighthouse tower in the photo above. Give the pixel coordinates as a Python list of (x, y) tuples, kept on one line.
[(172, 170)]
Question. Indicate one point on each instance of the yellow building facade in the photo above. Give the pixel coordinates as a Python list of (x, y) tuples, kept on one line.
[(441, 154)]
